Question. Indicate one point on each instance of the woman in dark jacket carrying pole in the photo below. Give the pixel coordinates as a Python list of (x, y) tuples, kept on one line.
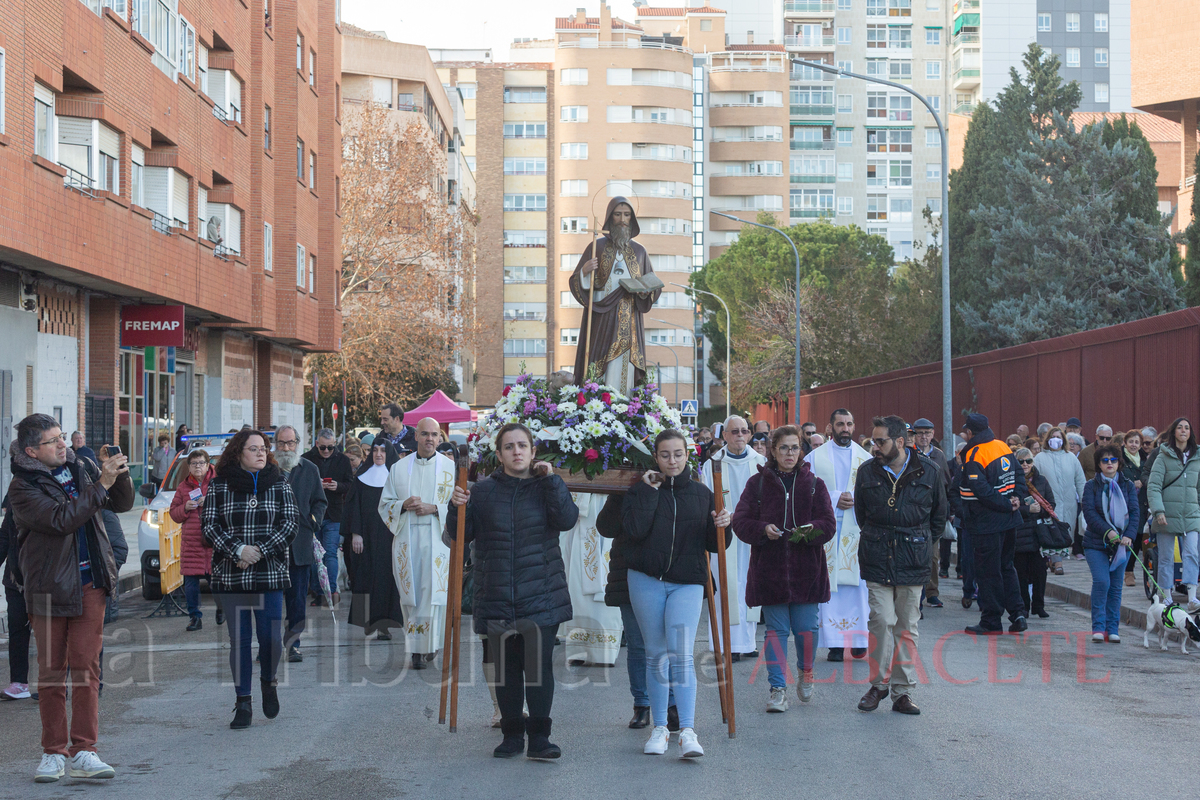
[(787, 578), (515, 517), (671, 527), (1110, 509), (250, 517), (1028, 559)]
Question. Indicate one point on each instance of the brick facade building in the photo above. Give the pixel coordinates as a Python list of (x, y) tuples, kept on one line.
[(146, 157)]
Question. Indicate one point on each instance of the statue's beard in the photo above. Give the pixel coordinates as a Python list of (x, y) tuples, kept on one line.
[(620, 235)]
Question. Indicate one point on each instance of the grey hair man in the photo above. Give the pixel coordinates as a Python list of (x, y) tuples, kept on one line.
[(1087, 456), (305, 480)]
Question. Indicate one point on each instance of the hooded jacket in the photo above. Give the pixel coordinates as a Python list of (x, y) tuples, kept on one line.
[(1172, 490), (48, 521), (195, 557)]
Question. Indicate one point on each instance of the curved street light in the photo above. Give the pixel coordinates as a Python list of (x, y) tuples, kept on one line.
[(727, 334)]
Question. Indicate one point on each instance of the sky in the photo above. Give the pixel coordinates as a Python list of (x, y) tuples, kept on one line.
[(470, 23)]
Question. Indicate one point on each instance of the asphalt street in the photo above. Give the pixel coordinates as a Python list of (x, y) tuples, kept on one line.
[(1044, 715)]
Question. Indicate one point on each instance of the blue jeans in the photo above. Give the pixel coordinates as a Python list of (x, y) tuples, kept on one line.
[(635, 659), (296, 599), (668, 615), (796, 619), (267, 608), (1107, 582), (330, 537), (1166, 559), (191, 593)]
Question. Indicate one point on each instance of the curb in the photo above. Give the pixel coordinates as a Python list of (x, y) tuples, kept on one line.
[(1129, 616)]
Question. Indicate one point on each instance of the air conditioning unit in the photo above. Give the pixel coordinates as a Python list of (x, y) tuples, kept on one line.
[(827, 23)]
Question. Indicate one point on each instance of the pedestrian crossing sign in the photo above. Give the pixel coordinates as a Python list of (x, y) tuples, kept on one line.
[(688, 408)]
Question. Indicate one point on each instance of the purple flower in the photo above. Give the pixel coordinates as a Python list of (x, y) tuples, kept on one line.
[(530, 407), (551, 408)]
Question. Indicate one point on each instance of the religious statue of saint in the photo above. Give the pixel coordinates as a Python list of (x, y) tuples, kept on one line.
[(612, 322)]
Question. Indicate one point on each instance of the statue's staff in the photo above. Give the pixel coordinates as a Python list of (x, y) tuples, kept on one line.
[(587, 347)]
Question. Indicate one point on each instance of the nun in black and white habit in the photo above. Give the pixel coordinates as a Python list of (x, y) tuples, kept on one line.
[(375, 601)]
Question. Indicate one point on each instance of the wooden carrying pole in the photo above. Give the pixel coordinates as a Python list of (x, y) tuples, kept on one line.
[(726, 654), (591, 323), (716, 637), (452, 638)]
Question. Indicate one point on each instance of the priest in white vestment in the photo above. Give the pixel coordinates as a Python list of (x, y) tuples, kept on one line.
[(844, 617), (413, 504), (593, 634), (739, 462)]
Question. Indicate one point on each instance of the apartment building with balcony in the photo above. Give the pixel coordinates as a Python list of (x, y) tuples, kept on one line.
[(147, 152)]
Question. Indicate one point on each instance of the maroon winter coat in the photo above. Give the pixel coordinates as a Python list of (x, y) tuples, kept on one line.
[(782, 572), (196, 556)]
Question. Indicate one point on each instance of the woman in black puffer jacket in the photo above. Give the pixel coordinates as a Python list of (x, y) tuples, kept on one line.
[(1028, 559), (514, 517), (670, 528)]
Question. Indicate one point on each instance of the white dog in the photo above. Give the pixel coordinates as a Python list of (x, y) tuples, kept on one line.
[(1164, 619)]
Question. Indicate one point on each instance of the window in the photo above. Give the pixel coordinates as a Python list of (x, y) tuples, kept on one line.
[(933, 172), (934, 204), (75, 146), (299, 52), (845, 137), (524, 347), (567, 261), (877, 207), (899, 8), (524, 238), (876, 174), (843, 5), (900, 209), (900, 71), (876, 8), (268, 247), (845, 103), (935, 100), (900, 38), (811, 202), (524, 202), (524, 166), (45, 138), (312, 67), (1072, 57), (524, 130), (266, 127), (573, 150), (877, 68), (299, 159), (312, 272), (933, 137), (900, 108), (524, 274), (1101, 92), (574, 188), (573, 114), (137, 175), (524, 94), (468, 90), (1073, 22), (568, 335), (933, 37), (301, 266), (876, 105), (845, 171), (843, 36), (705, 25), (109, 146), (1101, 56), (846, 66), (933, 70), (528, 312), (1101, 25), (876, 35), (899, 174), (845, 206), (1043, 23), (202, 67), (573, 224), (882, 140), (573, 77), (669, 336), (187, 50)]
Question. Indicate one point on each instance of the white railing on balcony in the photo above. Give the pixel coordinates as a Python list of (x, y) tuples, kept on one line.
[(628, 44), (808, 41)]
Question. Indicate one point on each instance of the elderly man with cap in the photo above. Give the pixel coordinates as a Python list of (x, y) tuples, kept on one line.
[(922, 439), (991, 487), (1073, 425)]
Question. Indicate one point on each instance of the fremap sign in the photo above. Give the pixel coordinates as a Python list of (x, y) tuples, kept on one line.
[(152, 326)]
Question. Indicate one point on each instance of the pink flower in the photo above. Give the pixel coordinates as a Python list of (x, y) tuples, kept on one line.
[(581, 400), (590, 455), (607, 398), (551, 408), (507, 389)]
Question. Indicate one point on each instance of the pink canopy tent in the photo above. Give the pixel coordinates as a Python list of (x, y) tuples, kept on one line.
[(441, 408)]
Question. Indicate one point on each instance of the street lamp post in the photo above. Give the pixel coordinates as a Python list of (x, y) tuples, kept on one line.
[(796, 253), (676, 357), (727, 333), (682, 328), (947, 382)]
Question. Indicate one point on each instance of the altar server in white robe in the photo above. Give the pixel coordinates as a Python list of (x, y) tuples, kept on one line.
[(844, 617), (413, 505), (593, 634), (739, 462)]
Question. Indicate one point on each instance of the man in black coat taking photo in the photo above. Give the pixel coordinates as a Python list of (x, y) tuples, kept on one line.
[(900, 505)]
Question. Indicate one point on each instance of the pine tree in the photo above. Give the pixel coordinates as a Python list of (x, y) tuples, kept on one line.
[(1191, 290)]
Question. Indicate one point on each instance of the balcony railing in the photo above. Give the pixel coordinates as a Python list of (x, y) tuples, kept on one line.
[(628, 44), (963, 108), (813, 179), (965, 37), (808, 7), (966, 76), (810, 213), (806, 42), (160, 223), (718, 140), (827, 144), (745, 105), (967, 5), (812, 111), (224, 253), (79, 182)]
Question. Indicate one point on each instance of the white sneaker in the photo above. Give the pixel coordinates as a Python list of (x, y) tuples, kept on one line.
[(1097, 637), (87, 764), (52, 768), (1114, 638), (656, 745), (806, 686), (689, 745), (778, 702), (1193, 606)]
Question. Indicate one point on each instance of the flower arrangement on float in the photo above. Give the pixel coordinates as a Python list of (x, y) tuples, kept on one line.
[(585, 429)]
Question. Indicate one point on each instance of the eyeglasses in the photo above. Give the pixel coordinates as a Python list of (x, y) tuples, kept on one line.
[(1104, 438), (880, 442), (738, 431), (281, 443), (55, 440), (325, 448), (789, 449), (1025, 460), (256, 450), (1110, 460)]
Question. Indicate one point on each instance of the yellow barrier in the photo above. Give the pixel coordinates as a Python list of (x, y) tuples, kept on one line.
[(170, 550)]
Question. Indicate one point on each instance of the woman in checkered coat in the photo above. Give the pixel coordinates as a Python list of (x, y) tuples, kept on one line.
[(249, 519)]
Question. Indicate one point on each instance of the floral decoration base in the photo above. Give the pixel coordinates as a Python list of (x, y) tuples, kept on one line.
[(614, 480)]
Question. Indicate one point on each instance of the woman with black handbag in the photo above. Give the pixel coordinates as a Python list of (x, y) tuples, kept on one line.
[(1037, 525)]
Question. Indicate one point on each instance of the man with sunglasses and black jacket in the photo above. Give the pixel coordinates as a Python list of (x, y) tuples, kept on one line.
[(337, 476)]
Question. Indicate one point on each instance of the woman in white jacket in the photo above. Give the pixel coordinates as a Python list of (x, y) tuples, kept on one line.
[(1064, 473)]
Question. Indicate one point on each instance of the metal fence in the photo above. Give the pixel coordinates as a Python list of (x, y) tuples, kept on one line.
[(1140, 373)]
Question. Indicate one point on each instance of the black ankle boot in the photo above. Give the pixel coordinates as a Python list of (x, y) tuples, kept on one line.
[(514, 738), (243, 712), (195, 625), (270, 699), (641, 717), (540, 745)]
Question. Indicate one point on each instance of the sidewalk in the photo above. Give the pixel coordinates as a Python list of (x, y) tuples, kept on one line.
[(1075, 587)]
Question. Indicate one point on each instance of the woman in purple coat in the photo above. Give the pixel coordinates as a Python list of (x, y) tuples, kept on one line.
[(786, 517)]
